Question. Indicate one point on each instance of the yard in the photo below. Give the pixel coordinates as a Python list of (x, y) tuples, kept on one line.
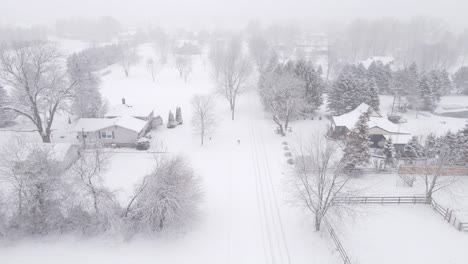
[(245, 216), (406, 234)]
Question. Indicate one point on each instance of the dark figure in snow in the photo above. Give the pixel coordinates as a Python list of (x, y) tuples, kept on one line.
[(238, 142)]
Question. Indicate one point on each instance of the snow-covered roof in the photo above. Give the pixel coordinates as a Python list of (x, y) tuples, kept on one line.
[(96, 124), (386, 125), (57, 151), (349, 119), (130, 110)]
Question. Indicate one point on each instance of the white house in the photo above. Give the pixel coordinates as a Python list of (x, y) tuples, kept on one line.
[(120, 131), (143, 112), (380, 129)]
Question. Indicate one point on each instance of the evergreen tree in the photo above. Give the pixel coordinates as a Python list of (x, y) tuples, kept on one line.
[(373, 100), (405, 81), (431, 145), (356, 151), (413, 149), (313, 85), (171, 123), (427, 94), (179, 119), (346, 92), (460, 80), (382, 75), (389, 152), (440, 82), (353, 87)]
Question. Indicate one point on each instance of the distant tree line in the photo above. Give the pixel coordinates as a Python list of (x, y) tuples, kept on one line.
[(15, 35), (101, 29), (423, 90), (424, 40)]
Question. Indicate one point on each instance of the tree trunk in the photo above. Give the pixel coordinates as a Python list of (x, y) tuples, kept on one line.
[(318, 222), (45, 138), (202, 137), (233, 105)]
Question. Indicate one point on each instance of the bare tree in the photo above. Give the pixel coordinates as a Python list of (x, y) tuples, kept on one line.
[(434, 167), (184, 66), (259, 51), (282, 95), (39, 84), (96, 201), (153, 67), (162, 44), (317, 181), (168, 197), (89, 169), (233, 72), (128, 56), (203, 119)]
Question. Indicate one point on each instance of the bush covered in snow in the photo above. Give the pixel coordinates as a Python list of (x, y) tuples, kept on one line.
[(143, 143), (166, 198)]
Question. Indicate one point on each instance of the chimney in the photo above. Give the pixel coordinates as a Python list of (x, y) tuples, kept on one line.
[(123, 101)]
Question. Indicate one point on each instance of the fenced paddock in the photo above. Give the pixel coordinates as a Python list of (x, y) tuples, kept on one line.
[(336, 241), (406, 233), (448, 214)]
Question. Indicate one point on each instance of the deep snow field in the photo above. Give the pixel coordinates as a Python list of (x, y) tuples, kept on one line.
[(404, 234), (245, 216)]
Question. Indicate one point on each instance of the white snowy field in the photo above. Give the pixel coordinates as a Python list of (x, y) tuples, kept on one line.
[(244, 217), (404, 234)]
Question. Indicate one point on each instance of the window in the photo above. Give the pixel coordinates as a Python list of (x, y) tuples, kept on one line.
[(105, 134)]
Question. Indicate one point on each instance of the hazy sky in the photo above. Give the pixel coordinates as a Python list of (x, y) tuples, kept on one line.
[(228, 12)]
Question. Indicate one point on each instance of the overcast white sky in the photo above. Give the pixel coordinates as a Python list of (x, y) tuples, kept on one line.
[(228, 12)]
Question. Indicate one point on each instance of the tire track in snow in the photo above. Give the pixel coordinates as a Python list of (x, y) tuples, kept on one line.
[(277, 244), (264, 224)]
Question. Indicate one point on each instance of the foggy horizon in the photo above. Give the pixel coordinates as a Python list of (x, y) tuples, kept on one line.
[(226, 14)]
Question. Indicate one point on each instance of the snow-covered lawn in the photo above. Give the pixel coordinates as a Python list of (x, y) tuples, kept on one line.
[(404, 234), (244, 217)]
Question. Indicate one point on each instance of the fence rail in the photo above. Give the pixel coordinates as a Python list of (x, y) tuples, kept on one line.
[(433, 170), (450, 216), (336, 241), (447, 213), (383, 200)]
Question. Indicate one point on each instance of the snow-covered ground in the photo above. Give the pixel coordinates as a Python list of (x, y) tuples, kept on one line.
[(244, 217), (405, 234)]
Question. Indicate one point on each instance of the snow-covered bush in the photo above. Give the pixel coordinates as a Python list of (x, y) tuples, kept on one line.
[(143, 144), (41, 193), (167, 198), (171, 123), (178, 117)]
